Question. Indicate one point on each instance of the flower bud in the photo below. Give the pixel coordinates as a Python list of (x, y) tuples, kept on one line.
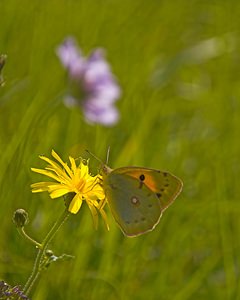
[(49, 253), (20, 217)]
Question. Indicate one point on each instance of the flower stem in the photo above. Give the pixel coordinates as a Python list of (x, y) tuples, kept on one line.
[(37, 267), (26, 236)]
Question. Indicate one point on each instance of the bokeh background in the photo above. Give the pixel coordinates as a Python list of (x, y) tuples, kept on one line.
[(177, 63)]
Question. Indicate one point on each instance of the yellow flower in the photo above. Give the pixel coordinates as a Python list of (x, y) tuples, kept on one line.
[(74, 179)]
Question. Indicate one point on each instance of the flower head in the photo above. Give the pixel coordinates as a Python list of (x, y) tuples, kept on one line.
[(94, 81), (9, 292), (74, 180), (20, 218)]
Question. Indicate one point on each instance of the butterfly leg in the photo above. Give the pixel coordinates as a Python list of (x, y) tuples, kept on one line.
[(96, 182)]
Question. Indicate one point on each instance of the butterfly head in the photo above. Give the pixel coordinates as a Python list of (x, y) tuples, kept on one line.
[(104, 169)]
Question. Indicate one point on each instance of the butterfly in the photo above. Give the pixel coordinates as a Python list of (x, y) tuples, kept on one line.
[(137, 196)]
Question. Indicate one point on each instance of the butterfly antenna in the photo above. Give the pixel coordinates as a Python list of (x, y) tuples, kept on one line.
[(98, 159), (108, 152)]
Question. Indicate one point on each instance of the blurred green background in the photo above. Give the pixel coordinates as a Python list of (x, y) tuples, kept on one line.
[(178, 66)]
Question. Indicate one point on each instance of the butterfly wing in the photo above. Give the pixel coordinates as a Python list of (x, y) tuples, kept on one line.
[(165, 185), (134, 206)]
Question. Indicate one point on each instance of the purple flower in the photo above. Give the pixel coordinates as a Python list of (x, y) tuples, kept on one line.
[(9, 292), (96, 85)]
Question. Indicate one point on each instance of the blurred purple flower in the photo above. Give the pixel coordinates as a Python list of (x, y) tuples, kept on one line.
[(9, 292), (95, 83)]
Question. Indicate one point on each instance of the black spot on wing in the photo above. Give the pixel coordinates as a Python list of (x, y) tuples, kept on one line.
[(141, 178)]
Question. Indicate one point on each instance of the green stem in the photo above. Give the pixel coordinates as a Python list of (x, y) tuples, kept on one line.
[(41, 252), (26, 236)]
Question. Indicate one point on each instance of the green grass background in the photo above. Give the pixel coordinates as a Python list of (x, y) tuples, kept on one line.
[(178, 66)]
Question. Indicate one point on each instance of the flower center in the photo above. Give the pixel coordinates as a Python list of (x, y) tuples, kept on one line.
[(79, 185)]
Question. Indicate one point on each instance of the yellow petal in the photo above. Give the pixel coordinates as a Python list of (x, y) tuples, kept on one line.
[(63, 176), (94, 214), (73, 164), (58, 193), (41, 186), (84, 170), (46, 173), (65, 166), (51, 163), (104, 216), (75, 204), (35, 190)]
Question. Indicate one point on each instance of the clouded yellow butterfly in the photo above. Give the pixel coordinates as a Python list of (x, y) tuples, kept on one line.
[(137, 196)]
